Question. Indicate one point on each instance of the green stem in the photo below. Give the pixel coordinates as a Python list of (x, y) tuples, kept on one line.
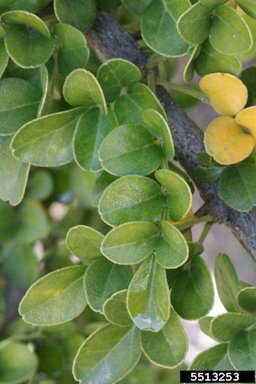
[(197, 220), (196, 93), (205, 232)]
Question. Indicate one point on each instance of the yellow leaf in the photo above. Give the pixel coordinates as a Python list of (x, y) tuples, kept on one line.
[(227, 94), (247, 119), (226, 141)]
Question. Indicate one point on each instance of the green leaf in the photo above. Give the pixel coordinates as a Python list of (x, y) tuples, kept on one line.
[(194, 24), (210, 60), (20, 264), (44, 82), (130, 106), (189, 69), (130, 243), (168, 347), (48, 301), (248, 6), (158, 127), (18, 363), (84, 242), (82, 88), (211, 3), (131, 198), (4, 58), (179, 196), (103, 180), (47, 141), (27, 39), (73, 52), (8, 221), (13, 174), (212, 359), (237, 185), (248, 77), (93, 126), (79, 13), (19, 102), (108, 5), (172, 250), (116, 74), (158, 27), (247, 299), (115, 309), (192, 295), (227, 282), (148, 300), (96, 360), (135, 6), (242, 350), (205, 325), (224, 327), (102, 279), (40, 185), (130, 149), (25, 5), (229, 33)]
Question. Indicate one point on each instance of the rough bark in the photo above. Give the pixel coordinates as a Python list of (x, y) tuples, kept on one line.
[(110, 40)]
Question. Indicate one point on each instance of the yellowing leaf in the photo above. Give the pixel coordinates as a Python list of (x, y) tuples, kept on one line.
[(227, 93), (247, 119), (226, 141)]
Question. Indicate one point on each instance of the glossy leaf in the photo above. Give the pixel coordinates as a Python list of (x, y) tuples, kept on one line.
[(179, 196), (27, 39), (131, 198), (136, 7), (82, 88), (242, 350), (168, 347), (246, 118), (102, 279), (130, 243), (47, 141), (158, 27), (19, 101), (192, 295), (20, 264), (148, 299), (158, 127), (227, 93), (236, 182), (224, 327), (13, 174), (214, 358), (84, 242), (101, 358), (189, 22), (130, 106), (211, 61), (91, 129), (229, 33), (115, 309), (248, 6), (116, 74), (17, 362), (48, 301), (79, 13), (4, 58), (247, 299), (221, 140), (172, 250), (227, 282), (73, 52), (130, 149)]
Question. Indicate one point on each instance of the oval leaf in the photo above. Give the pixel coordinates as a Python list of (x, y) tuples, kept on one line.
[(158, 27), (102, 279), (172, 250), (192, 295), (96, 360), (212, 359), (246, 118), (247, 299), (115, 309), (131, 198), (224, 327), (47, 302), (242, 350), (130, 243), (79, 13), (84, 242), (130, 149), (148, 299)]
